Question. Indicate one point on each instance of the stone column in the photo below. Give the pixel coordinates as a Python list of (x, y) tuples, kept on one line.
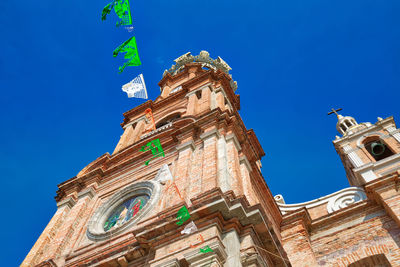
[(296, 239), (210, 159), (38, 250), (232, 248)]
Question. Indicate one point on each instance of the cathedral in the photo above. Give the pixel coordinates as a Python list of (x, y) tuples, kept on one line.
[(184, 187)]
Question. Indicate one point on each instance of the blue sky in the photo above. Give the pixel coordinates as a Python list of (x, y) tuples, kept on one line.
[(61, 102)]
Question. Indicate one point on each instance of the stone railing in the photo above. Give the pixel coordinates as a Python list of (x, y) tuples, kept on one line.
[(157, 130), (333, 202)]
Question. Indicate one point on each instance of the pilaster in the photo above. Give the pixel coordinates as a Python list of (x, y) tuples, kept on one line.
[(63, 237), (47, 236), (386, 191), (296, 239), (245, 169), (210, 159), (233, 148)]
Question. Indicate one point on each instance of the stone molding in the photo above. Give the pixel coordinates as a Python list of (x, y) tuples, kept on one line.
[(233, 137), (69, 202), (87, 192), (195, 258), (245, 161), (95, 229), (361, 138), (137, 120), (183, 146), (335, 201), (367, 172), (210, 134)]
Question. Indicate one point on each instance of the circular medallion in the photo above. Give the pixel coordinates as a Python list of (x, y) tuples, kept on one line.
[(123, 209)]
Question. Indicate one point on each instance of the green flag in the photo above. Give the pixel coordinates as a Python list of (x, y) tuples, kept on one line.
[(122, 9), (156, 149), (206, 249), (128, 47), (106, 10), (183, 215)]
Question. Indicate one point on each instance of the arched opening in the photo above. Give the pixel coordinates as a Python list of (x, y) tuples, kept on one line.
[(167, 120), (377, 148), (378, 260)]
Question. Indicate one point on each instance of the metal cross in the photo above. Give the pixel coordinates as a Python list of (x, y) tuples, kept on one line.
[(334, 111)]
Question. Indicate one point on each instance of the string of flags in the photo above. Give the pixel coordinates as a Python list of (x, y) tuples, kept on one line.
[(135, 88)]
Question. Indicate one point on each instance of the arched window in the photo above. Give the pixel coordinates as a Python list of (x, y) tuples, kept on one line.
[(377, 148), (378, 260), (167, 120)]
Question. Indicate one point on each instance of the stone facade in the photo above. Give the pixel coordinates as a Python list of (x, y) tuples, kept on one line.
[(212, 166), (213, 160)]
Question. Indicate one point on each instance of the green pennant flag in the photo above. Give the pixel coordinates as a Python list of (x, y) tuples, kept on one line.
[(156, 149), (128, 47), (183, 215), (122, 9), (206, 249)]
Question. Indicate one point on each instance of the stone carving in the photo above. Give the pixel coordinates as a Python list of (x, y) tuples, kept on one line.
[(333, 202), (203, 57), (345, 199)]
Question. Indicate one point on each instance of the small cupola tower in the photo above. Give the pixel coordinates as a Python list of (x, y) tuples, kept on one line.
[(368, 151)]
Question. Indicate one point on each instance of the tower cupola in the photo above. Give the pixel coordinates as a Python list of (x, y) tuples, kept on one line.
[(345, 124)]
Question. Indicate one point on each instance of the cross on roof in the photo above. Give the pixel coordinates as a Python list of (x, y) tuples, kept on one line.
[(335, 111)]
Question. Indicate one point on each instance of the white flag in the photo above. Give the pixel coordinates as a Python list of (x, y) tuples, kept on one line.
[(136, 88), (189, 228), (163, 174)]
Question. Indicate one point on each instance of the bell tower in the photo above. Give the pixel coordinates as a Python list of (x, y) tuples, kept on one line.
[(368, 151), (183, 186)]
